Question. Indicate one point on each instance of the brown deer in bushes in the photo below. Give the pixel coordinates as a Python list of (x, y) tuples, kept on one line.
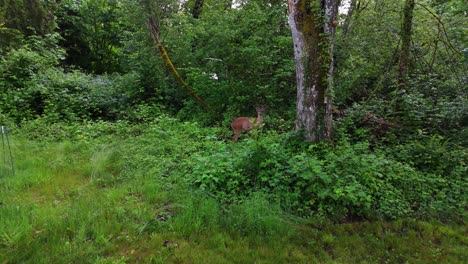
[(242, 124)]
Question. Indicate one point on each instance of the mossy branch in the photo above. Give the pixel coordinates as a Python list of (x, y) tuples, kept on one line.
[(155, 35)]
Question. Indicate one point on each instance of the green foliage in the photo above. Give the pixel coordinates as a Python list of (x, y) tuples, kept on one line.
[(235, 59), (34, 87), (20, 18), (257, 216), (92, 34), (435, 104), (436, 156), (417, 178), (20, 96), (366, 66), (197, 214), (346, 181), (42, 130)]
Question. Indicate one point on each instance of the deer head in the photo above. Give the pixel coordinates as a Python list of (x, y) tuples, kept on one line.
[(242, 124)]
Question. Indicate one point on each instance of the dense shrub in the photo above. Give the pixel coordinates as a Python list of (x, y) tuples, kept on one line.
[(19, 96), (32, 85), (343, 181), (76, 96), (69, 96)]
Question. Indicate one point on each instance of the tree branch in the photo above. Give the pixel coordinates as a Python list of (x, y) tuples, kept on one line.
[(155, 35), (443, 28)]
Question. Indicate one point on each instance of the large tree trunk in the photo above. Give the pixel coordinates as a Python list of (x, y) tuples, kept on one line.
[(313, 24), (405, 35)]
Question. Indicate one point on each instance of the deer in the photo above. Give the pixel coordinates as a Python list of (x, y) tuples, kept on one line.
[(243, 124)]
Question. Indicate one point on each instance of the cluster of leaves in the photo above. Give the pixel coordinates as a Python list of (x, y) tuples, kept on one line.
[(436, 105)]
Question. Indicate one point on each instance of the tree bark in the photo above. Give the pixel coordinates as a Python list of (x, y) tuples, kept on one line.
[(313, 26), (405, 34)]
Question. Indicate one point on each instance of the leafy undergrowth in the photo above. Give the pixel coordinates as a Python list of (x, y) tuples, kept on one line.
[(131, 198)]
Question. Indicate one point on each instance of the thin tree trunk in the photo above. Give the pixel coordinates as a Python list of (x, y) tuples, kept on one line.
[(405, 34), (436, 46), (331, 12), (312, 25), (352, 5)]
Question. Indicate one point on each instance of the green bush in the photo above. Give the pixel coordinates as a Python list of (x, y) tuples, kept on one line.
[(20, 98), (444, 168), (32, 85), (341, 182)]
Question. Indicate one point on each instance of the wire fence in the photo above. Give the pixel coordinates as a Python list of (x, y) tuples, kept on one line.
[(7, 166)]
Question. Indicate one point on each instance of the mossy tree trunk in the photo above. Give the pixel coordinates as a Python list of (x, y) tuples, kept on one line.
[(313, 25), (405, 35)]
